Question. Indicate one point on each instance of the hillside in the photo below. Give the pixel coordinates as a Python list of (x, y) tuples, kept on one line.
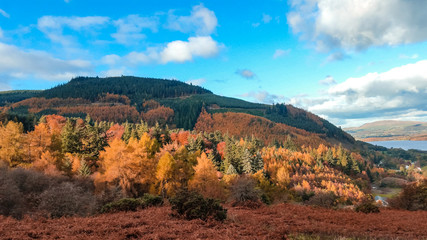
[(284, 221), (122, 99), (390, 130)]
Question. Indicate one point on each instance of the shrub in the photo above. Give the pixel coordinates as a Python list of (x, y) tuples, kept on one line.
[(132, 204), (124, 204), (368, 206), (151, 200), (11, 200), (67, 199), (322, 199), (192, 205), (265, 199), (244, 190), (413, 197)]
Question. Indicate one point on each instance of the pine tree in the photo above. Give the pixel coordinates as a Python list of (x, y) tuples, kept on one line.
[(247, 161), (127, 133), (258, 162), (231, 170), (71, 141)]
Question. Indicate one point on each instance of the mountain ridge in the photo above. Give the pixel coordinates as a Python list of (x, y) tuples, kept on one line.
[(186, 101), (388, 130)]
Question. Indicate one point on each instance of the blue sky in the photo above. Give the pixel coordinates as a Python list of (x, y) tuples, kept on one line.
[(349, 61)]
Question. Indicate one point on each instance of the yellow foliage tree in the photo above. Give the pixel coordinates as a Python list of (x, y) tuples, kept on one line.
[(164, 172), (12, 142), (205, 179), (282, 177)]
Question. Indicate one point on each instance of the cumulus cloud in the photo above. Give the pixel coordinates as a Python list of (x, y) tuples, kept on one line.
[(201, 21), (19, 64), (52, 26), (264, 97), (329, 80), (4, 13), (280, 53), (358, 25), (182, 51), (129, 29), (197, 82), (177, 51), (246, 73), (390, 94)]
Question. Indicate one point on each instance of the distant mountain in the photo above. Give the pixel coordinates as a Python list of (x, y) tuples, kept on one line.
[(131, 99), (390, 130)]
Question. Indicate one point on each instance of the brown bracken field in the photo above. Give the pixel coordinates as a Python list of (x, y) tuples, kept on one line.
[(269, 222)]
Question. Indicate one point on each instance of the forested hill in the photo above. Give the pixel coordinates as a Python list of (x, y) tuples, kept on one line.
[(178, 104), (136, 88)]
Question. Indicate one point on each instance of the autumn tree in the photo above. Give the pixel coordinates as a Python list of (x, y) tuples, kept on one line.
[(12, 142), (205, 179), (164, 172)]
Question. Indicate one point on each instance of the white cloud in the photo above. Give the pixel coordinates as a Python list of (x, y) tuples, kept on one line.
[(329, 80), (53, 26), (111, 59), (353, 24), (115, 72), (16, 63), (264, 97), (246, 73), (266, 18), (4, 13), (129, 29), (1, 33), (280, 53), (177, 51), (390, 95), (404, 56), (197, 82), (201, 21), (182, 51)]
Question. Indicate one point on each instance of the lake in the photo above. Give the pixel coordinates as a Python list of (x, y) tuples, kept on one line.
[(420, 145)]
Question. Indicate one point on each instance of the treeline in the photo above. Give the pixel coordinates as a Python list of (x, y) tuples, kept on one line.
[(8, 97), (138, 159)]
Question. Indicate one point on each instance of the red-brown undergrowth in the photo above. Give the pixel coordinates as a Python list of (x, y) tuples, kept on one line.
[(275, 222)]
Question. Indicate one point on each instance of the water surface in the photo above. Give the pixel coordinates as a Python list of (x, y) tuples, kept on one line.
[(419, 145)]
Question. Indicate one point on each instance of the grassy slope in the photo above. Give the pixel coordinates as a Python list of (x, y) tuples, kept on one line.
[(275, 222)]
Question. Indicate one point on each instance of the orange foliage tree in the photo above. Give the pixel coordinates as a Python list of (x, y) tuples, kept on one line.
[(205, 179)]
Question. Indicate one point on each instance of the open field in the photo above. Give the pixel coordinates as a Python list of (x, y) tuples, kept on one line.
[(275, 222)]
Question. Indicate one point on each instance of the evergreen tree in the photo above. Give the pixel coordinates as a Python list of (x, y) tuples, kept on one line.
[(247, 161), (231, 170), (71, 141)]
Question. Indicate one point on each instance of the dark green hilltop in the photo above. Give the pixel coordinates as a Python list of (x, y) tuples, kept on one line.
[(186, 100)]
